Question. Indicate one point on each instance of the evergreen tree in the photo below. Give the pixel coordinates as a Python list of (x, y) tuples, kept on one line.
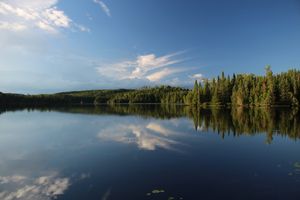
[(195, 100)]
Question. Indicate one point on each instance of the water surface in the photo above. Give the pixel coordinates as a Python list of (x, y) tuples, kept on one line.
[(149, 152)]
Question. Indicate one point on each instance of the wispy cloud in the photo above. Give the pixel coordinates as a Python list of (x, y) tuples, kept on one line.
[(197, 76), (162, 73), (104, 7), (12, 26), (20, 15), (145, 67)]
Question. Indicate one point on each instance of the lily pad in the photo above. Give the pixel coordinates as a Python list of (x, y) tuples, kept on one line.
[(297, 165), (157, 191)]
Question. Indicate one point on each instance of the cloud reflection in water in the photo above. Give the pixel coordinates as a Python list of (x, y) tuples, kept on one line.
[(42, 188), (148, 137)]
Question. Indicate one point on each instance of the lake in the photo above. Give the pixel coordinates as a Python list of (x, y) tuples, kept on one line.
[(149, 152)]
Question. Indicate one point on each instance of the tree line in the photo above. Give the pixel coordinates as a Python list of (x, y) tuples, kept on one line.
[(236, 90), (160, 94), (248, 90)]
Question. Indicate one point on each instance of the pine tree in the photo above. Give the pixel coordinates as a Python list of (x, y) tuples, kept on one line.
[(269, 98), (206, 92), (195, 100)]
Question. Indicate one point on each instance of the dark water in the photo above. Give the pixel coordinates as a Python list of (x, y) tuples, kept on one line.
[(149, 152)]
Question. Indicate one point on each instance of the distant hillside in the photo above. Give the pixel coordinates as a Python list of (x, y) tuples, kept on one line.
[(159, 94), (94, 92)]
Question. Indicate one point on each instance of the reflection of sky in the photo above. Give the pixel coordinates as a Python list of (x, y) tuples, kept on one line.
[(36, 147), (50, 155), (147, 136), (30, 145), (26, 188)]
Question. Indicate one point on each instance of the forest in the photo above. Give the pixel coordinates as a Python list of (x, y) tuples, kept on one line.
[(247, 90)]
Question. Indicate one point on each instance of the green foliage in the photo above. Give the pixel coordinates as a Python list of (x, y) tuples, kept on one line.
[(239, 90), (162, 94)]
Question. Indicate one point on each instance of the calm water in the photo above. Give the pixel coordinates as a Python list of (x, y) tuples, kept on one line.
[(149, 152)]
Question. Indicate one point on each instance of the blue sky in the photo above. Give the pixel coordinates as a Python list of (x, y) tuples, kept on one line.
[(58, 45)]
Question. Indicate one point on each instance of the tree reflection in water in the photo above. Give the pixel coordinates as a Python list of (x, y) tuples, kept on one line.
[(225, 121)]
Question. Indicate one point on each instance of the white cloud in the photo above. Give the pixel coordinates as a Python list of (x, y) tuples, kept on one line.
[(45, 26), (157, 76), (151, 60), (104, 7), (19, 15), (12, 26), (35, 4), (147, 67), (57, 17), (197, 76)]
